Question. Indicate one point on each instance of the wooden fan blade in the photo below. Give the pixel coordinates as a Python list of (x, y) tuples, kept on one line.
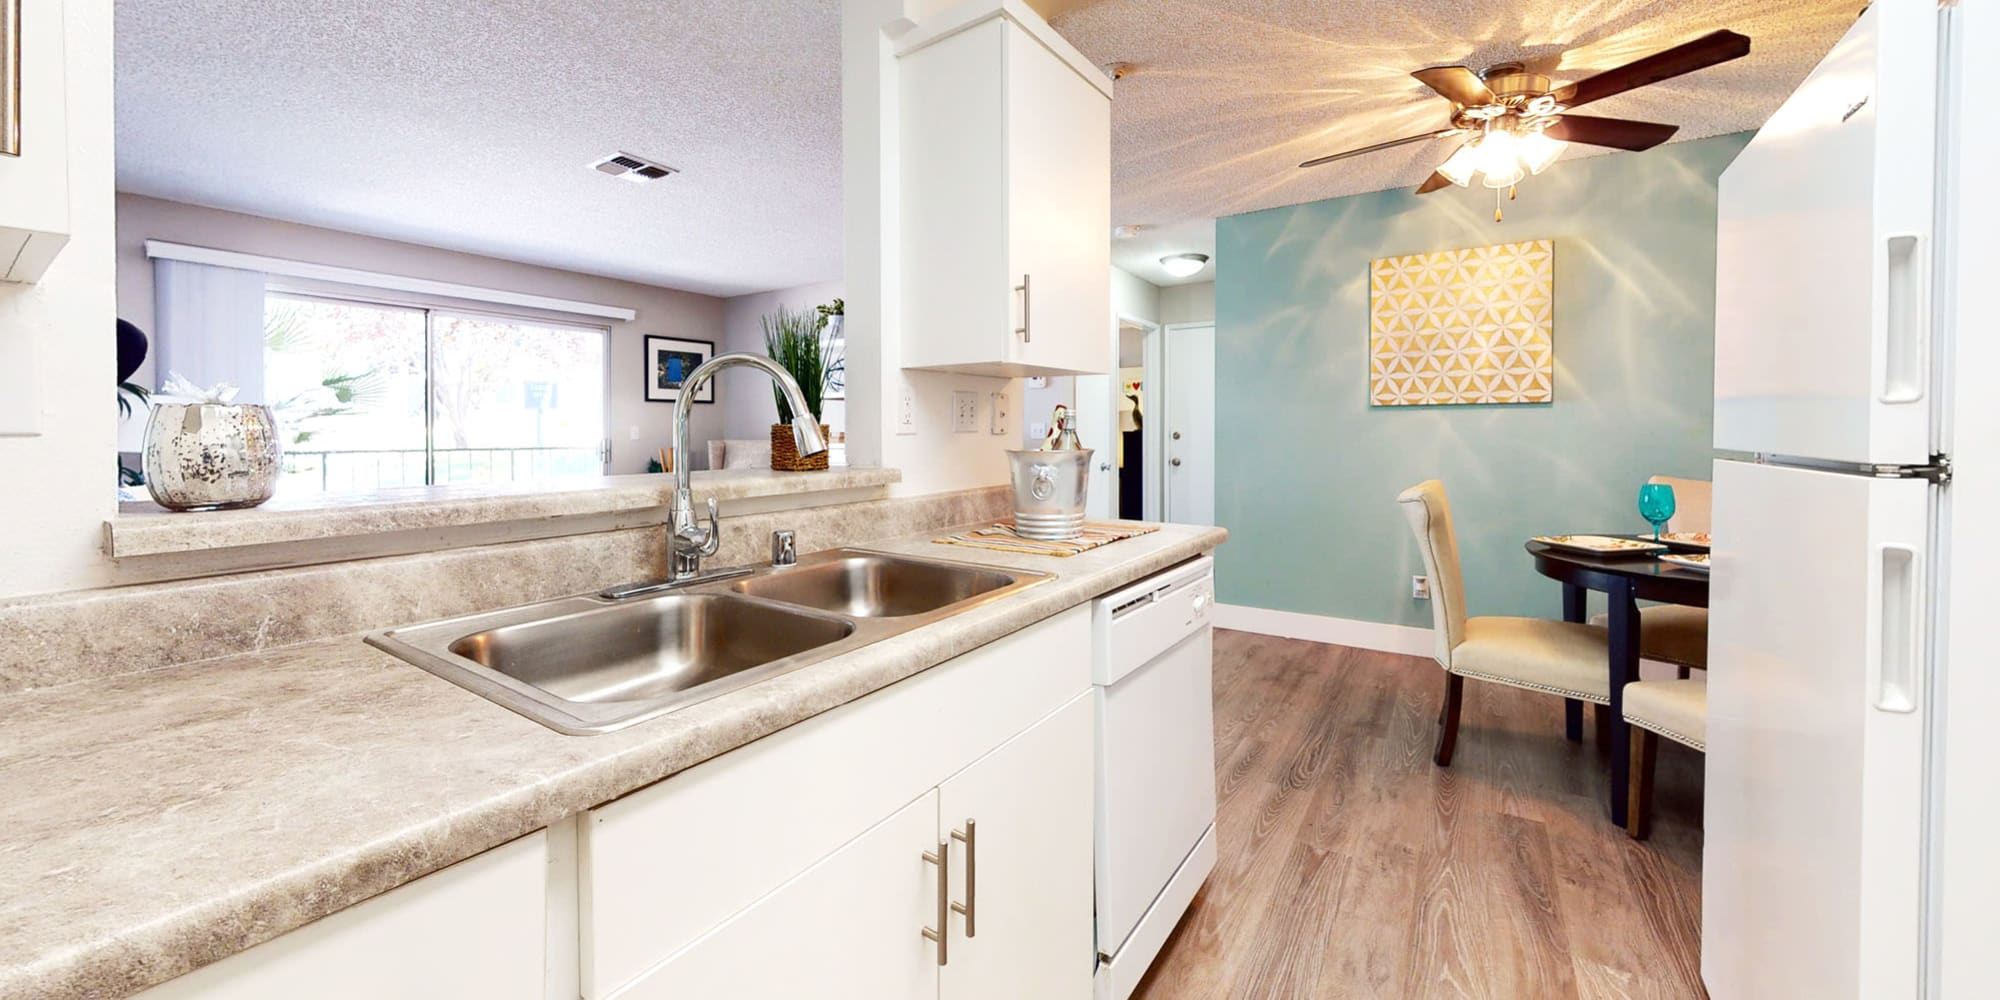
[(1708, 50), (1618, 133), (1404, 141), (1435, 182), (1460, 85)]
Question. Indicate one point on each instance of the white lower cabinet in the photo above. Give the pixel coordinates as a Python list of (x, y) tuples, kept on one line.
[(793, 867), (1025, 876), (474, 929), (846, 929)]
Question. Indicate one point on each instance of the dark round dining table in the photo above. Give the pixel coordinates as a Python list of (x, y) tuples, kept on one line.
[(1625, 579)]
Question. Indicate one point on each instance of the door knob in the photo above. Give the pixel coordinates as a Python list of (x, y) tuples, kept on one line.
[(1104, 466), (1177, 461)]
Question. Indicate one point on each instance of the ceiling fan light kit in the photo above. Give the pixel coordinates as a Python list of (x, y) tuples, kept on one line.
[(1516, 123)]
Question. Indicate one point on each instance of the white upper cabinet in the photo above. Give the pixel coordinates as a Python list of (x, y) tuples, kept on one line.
[(1005, 180), (34, 146)]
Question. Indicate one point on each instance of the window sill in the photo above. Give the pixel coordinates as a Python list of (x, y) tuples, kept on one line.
[(551, 508)]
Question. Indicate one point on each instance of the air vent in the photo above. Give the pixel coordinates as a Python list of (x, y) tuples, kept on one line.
[(636, 169)]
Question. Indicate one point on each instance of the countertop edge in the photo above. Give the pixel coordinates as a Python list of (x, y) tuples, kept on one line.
[(144, 531), (129, 962)]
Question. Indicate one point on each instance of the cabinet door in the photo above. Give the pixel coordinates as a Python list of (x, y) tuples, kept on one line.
[(1058, 209), (958, 311), (848, 928), (474, 929), (1026, 875)]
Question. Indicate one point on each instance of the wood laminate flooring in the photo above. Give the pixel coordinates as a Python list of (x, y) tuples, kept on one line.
[(1351, 866)]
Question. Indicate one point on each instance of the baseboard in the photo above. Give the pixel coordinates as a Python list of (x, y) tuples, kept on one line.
[(1380, 636), (1321, 628)]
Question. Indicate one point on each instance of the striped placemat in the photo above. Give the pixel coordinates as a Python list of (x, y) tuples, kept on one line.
[(1003, 538)]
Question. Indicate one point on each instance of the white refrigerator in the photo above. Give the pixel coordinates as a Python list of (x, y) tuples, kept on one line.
[(1842, 243)]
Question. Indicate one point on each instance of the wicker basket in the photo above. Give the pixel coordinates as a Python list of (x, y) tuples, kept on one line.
[(785, 451)]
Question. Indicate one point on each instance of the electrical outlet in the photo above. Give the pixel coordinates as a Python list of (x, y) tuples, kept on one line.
[(1038, 431), (999, 413), (906, 410), (964, 412), (1420, 588)]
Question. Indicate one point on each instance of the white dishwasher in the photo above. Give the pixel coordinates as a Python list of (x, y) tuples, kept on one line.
[(1155, 765)]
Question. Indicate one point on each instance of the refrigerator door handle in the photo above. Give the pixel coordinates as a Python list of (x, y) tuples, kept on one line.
[(1905, 372), (1899, 625)]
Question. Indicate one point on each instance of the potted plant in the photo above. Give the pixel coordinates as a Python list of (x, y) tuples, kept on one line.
[(797, 341)]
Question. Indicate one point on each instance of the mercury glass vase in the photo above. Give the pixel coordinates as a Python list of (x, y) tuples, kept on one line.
[(211, 456)]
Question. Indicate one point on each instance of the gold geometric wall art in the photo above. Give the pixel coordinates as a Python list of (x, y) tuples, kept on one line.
[(1463, 326)]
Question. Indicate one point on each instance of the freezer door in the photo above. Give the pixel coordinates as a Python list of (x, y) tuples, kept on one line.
[(1823, 243), (1811, 864)]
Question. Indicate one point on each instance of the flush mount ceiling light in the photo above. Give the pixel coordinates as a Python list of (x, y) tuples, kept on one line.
[(627, 167), (1182, 265), (1516, 122)]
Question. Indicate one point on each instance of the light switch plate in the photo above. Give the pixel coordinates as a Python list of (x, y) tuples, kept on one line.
[(999, 413), (965, 412)]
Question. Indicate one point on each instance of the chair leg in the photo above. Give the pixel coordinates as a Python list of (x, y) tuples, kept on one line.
[(1639, 807), (1685, 669), (1454, 697), (1600, 717), (1573, 720)]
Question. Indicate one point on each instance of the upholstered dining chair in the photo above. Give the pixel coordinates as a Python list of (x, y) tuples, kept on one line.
[(1677, 710), (1566, 659), (1670, 632)]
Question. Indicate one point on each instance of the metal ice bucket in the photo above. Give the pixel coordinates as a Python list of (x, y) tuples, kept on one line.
[(1049, 490)]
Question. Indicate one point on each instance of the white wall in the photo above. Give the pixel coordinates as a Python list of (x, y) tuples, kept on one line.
[(1133, 297), (934, 458), (662, 311), (57, 488), (1187, 303), (751, 414)]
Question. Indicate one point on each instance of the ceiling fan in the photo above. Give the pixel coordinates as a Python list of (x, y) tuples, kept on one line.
[(1516, 122)]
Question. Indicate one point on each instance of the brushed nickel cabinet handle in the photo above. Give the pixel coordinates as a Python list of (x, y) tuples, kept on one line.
[(942, 859), (969, 837), (1026, 336)]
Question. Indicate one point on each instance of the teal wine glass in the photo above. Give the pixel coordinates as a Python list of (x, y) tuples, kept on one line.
[(1656, 505)]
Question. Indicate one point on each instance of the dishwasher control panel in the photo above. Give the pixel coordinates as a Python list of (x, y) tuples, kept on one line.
[(1140, 622)]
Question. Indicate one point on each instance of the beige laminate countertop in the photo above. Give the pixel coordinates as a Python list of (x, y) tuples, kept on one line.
[(156, 822)]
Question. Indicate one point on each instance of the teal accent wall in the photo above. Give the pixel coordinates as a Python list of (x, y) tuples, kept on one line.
[(1307, 472)]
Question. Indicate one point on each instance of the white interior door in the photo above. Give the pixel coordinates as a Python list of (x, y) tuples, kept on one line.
[(1190, 445), (1811, 862), (1822, 257)]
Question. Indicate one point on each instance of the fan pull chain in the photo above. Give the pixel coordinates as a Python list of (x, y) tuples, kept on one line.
[(1496, 205)]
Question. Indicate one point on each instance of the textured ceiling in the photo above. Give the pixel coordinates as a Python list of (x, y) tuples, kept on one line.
[(1228, 97), (468, 124)]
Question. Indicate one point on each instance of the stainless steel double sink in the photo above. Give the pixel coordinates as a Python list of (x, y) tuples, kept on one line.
[(586, 664)]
